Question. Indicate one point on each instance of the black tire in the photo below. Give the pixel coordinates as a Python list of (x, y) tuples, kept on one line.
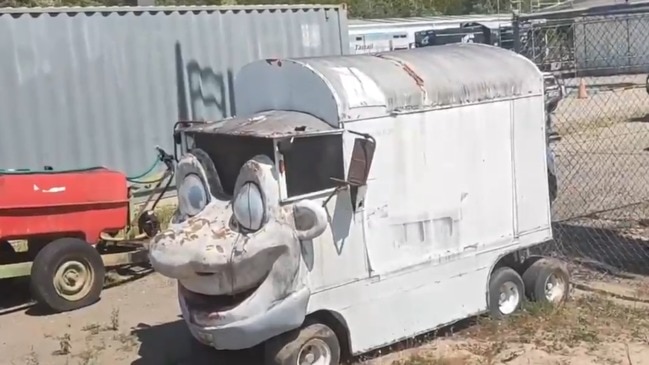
[(499, 278), (536, 277), (51, 258), (286, 349), (6, 248), (201, 354)]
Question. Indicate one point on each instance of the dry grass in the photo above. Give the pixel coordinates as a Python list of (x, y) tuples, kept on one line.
[(95, 342), (164, 212), (584, 324)]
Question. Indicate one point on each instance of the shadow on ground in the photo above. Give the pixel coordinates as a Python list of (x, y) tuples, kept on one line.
[(171, 343), (601, 249), (15, 295)]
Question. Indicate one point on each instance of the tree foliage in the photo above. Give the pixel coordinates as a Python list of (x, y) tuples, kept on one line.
[(356, 8)]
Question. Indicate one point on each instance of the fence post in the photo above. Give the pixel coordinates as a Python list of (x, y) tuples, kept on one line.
[(516, 31)]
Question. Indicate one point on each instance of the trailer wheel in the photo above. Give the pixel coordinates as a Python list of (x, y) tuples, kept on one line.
[(506, 292), (312, 344), (67, 274), (547, 281)]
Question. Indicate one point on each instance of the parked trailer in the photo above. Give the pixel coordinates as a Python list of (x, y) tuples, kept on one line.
[(382, 35), (70, 221), (411, 183)]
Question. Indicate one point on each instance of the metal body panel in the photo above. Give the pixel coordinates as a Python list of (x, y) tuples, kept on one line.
[(339, 89), (450, 192), (103, 86), (270, 124)]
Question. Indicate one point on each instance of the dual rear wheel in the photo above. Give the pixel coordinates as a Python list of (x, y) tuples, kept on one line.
[(545, 281)]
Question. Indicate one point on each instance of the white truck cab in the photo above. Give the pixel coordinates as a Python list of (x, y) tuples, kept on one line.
[(356, 201)]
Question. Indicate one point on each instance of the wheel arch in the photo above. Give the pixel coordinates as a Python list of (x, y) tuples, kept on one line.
[(515, 259), (338, 324)]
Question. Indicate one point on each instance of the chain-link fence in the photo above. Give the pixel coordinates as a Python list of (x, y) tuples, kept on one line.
[(600, 132)]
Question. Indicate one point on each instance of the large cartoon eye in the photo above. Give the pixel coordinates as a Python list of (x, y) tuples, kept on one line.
[(248, 207), (192, 195)]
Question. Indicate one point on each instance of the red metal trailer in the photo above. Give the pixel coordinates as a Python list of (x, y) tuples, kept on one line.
[(71, 223)]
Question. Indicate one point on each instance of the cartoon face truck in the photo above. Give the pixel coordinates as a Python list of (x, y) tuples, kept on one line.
[(359, 200)]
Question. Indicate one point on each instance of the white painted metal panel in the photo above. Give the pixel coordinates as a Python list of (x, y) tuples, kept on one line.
[(533, 207), (442, 184)]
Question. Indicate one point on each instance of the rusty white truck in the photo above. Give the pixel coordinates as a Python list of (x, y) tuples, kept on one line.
[(356, 201)]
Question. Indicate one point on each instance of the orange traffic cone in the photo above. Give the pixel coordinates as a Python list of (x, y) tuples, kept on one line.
[(583, 93)]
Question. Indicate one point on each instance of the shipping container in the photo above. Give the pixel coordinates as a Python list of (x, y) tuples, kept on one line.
[(104, 86)]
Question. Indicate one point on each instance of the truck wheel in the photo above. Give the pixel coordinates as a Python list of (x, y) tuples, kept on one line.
[(67, 274), (312, 344), (547, 281), (506, 292)]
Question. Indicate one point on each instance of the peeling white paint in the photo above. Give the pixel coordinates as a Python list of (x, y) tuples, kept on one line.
[(56, 189)]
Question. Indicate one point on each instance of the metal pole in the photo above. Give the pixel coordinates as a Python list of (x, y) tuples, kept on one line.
[(516, 31)]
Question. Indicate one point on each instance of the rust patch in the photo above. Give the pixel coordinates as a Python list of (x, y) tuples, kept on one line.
[(197, 224), (253, 165), (418, 80), (221, 233)]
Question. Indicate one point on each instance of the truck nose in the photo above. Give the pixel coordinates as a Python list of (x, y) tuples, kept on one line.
[(213, 254)]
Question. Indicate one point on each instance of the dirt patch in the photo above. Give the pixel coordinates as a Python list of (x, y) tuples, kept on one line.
[(591, 329), (138, 323)]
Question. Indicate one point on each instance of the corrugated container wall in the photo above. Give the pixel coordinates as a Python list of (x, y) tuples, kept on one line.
[(104, 86), (612, 44)]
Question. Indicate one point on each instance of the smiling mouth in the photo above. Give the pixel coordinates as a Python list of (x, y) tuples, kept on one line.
[(211, 307)]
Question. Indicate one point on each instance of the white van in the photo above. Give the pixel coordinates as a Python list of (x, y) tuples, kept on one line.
[(360, 200)]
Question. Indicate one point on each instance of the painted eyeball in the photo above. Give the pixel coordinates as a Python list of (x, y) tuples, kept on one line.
[(192, 195), (248, 207)]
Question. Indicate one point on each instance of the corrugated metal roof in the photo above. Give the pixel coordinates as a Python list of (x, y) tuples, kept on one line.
[(432, 76), (156, 9), (273, 123)]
